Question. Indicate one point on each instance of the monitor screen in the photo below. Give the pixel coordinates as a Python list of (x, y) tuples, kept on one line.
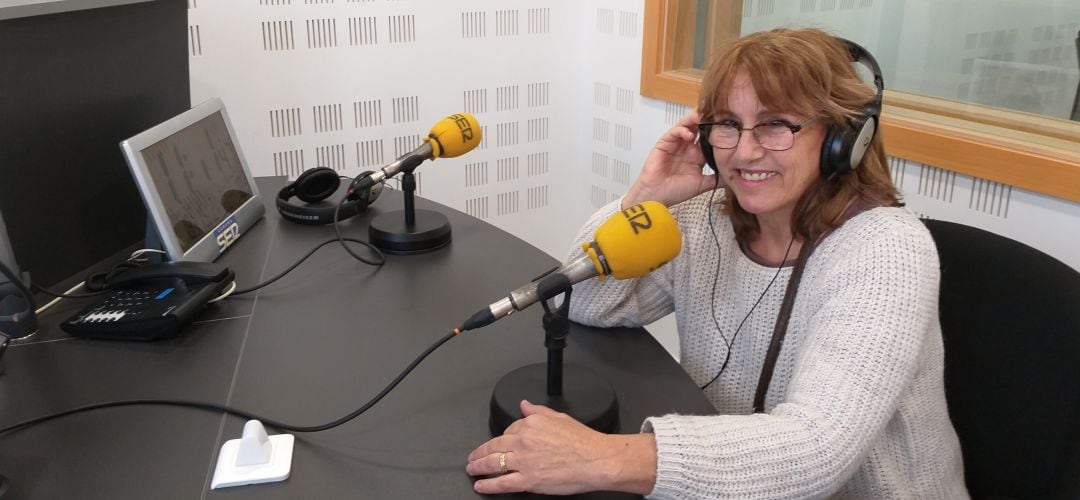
[(200, 177), (194, 181)]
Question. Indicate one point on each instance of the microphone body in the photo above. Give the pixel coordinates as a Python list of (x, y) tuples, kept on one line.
[(452, 136), (578, 270), (631, 243), (408, 161)]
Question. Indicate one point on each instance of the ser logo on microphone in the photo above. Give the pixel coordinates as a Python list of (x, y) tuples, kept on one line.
[(463, 125), (638, 218)]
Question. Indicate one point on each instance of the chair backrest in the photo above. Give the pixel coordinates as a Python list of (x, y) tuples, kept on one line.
[(1010, 318)]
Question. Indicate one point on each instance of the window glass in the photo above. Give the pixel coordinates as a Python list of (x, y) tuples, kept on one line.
[(1019, 55)]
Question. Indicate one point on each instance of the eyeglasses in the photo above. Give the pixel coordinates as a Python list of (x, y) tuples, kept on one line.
[(775, 135)]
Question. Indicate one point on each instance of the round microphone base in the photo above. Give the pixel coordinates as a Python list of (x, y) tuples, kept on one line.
[(388, 232), (586, 396)]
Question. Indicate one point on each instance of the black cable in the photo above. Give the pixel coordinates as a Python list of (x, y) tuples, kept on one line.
[(97, 283), (240, 413), (309, 254), (46, 291), (730, 345), (712, 301), (337, 229)]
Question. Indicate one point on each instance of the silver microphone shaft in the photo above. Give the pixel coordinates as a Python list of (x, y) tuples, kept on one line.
[(578, 270)]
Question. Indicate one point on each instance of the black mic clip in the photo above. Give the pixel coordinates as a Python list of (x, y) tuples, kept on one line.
[(409, 161), (359, 185)]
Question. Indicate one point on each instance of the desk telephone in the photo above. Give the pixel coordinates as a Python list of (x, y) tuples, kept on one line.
[(151, 302)]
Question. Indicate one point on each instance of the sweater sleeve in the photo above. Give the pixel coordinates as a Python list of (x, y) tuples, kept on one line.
[(611, 302), (873, 304)]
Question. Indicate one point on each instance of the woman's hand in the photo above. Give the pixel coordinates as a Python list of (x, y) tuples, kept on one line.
[(550, 452), (672, 171)]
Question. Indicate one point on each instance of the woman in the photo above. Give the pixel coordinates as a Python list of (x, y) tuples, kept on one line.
[(855, 406)]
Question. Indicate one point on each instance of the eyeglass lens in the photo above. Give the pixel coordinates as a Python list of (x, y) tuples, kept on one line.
[(776, 137)]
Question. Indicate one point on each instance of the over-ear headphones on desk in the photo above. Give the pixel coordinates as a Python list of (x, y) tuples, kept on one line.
[(312, 188)]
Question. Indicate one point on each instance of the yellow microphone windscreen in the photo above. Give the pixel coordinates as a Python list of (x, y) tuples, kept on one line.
[(454, 135), (638, 240)]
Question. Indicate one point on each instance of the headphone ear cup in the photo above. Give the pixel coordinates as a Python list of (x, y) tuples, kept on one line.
[(316, 184), (367, 196), (831, 149), (844, 146), (836, 150), (706, 150), (864, 128)]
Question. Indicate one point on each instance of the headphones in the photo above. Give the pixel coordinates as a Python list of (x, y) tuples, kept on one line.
[(313, 187), (845, 144), (17, 317)]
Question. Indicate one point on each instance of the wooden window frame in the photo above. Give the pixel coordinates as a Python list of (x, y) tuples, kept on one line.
[(979, 141)]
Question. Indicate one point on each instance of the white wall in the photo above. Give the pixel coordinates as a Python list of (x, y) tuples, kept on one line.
[(555, 85)]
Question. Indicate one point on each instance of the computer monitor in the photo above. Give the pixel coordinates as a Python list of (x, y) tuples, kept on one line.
[(195, 183)]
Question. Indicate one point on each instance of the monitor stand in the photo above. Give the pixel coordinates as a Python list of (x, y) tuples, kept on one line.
[(153, 240)]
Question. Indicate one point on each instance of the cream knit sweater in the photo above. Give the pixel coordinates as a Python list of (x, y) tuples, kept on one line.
[(856, 408)]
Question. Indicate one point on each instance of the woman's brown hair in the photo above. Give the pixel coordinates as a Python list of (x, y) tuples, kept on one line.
[(810, 73)]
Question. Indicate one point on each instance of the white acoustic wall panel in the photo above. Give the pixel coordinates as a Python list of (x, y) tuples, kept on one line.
[(352, 84)]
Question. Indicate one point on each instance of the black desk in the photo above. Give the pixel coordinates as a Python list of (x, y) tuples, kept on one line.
[(307, 350)]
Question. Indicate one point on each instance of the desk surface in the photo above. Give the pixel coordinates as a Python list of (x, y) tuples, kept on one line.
[(307, 350)]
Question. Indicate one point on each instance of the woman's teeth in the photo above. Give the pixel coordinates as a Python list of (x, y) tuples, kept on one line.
[(755, 176)]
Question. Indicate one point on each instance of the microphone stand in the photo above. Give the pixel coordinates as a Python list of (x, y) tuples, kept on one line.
[(409, 231), (587, 398)]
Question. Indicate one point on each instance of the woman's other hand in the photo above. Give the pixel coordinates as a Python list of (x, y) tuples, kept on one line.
[(672, 171), (550, 452)]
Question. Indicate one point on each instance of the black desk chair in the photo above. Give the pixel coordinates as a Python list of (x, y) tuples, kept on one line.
[(1010, 317)]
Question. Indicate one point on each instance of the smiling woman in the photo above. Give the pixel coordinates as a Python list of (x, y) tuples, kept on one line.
[(835, 386), (984, 93)]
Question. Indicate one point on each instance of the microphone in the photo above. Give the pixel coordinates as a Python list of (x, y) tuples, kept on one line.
[(452, 136), (631, 243)]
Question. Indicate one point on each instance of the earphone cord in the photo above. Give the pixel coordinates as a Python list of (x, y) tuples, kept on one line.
[(309, 254), (712, 300), (240, 413), (337, 230), (103, 278)]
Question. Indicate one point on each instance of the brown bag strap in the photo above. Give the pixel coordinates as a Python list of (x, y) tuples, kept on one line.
[(780, 328)]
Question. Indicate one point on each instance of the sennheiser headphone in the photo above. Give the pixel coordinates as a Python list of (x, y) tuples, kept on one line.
[(845, 144), (17, 318), (313, 187)]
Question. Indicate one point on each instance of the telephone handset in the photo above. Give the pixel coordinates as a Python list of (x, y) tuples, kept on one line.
[(151, 302), (192, 273)]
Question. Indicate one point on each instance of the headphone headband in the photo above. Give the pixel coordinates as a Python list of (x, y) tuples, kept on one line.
[(846, 144), (864, 57)]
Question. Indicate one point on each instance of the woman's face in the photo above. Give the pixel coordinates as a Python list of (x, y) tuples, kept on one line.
[(767, 183)]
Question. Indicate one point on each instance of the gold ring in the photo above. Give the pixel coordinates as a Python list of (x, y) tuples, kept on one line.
[(502, 463)]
